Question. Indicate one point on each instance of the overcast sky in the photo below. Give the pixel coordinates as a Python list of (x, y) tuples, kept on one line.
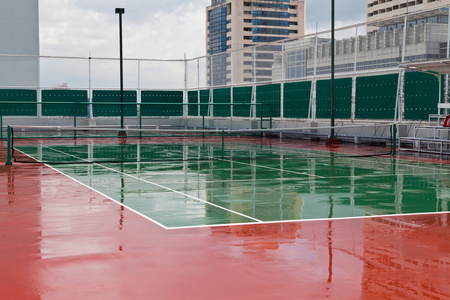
[(151, 28)]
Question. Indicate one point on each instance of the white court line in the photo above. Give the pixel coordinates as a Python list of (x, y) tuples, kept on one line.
[(250, 223), (318, 219), (102, 194), (403, 162), (161, 186), (270, 168), (110, 198)]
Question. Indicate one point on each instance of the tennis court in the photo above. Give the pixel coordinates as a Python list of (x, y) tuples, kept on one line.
[(252, 218)]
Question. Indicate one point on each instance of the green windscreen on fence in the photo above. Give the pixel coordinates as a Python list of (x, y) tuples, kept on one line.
[(204, 99), (193, 110), (69, 108), (222, 96), (20, 109), (342, 98), (421, 95), (241, 97), (269, 94), (296, 99), (376, 97), (173, 103), (114, 110)]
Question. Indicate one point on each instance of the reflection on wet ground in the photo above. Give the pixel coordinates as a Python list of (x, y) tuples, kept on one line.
[(62, 240)]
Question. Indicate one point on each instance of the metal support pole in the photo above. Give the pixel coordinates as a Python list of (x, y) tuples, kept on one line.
[(90, 107), (185, 92), (448, 33), (405, 26), (394, 139), (120, 12), (332, 136)]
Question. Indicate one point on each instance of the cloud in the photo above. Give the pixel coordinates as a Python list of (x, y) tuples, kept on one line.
[(151, 29), (80, 28), (347, 12)]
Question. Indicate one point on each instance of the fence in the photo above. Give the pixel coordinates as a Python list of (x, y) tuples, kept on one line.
[(292, 77), (360, 98)]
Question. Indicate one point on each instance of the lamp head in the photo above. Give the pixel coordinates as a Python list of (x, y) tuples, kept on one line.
[(120, 10)]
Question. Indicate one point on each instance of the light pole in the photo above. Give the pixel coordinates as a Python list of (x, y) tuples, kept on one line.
[(332, 136), (120, 12)]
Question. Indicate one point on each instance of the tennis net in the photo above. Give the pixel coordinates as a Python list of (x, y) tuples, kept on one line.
[(70, 145)]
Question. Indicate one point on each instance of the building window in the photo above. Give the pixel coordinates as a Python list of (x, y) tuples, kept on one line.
[(270, 31), (257, 22), (433, 19), (270, 14)]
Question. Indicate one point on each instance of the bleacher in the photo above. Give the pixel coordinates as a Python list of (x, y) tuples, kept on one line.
[(430, 138)]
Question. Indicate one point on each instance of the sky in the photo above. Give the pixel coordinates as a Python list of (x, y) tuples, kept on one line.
[(152, 28)]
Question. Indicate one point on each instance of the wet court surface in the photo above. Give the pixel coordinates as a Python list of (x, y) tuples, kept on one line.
[(253, 183), (64, 240)]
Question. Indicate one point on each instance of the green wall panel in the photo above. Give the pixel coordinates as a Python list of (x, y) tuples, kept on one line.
[(421, 95), (242, 95), (376, 96), (342, 99), (193, 108), (268, 94), (296, 99), (64, 109), (173, 103), (113, 110), (222, 96), (21, 109), (204, 99)]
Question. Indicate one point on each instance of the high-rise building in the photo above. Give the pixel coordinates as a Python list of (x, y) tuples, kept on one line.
[(380, 50), (234, 27), (19, 43), (383, 9)]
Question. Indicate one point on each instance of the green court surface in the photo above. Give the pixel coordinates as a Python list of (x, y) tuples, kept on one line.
[(196, 184)]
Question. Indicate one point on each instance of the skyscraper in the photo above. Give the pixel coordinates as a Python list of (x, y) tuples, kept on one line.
[(19, 35), (234, 27)]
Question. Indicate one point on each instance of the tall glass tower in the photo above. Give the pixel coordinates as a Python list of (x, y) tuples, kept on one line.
[(235, 27)]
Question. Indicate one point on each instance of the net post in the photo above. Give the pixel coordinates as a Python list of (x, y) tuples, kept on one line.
[(394, 139), (223, 144), (203, 126), (8, 148), (1, 122), (271, 115), (74, 120), (261, 116), (261, 112), (140, 122)]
